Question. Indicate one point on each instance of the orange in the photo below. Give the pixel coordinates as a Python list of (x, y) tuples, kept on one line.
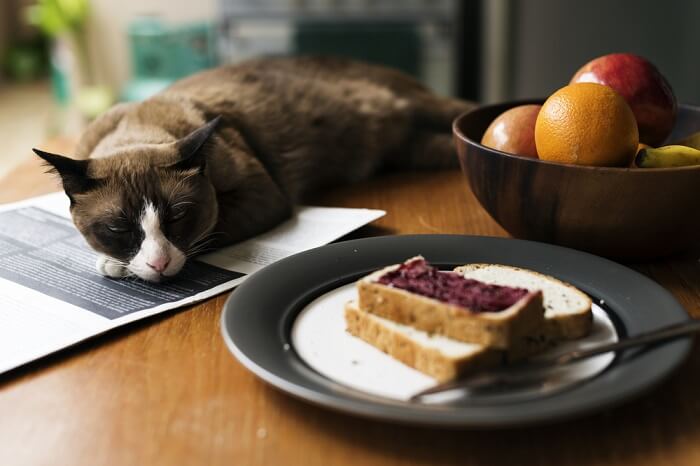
[(586, 124)]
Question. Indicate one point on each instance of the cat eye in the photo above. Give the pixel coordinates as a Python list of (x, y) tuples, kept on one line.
[(119, 229), (176, 215)]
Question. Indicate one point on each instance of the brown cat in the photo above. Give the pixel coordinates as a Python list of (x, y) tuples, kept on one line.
[(224, 154)]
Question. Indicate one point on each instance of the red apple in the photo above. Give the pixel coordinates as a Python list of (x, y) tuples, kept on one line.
[(643, 87), (513, 131)]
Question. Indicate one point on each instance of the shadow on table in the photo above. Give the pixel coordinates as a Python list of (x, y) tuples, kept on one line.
[(367, 231), (654, 425)]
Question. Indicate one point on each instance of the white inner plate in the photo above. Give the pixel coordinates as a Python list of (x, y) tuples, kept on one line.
[(320, 339)]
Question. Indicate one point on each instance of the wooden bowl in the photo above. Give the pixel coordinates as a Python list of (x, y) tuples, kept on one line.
[(626, 213)]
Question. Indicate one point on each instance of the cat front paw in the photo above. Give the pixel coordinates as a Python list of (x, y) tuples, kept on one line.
[(110, 268)]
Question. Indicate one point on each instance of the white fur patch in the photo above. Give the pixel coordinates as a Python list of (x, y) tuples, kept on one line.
[(157, 257), (110, 267)]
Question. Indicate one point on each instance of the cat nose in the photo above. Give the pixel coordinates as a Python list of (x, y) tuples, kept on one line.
[(159, 264)]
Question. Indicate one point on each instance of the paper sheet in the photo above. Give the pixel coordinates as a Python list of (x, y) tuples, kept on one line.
[(51, 296)]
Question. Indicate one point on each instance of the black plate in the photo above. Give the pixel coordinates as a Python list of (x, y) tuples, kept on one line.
[(258, 316)]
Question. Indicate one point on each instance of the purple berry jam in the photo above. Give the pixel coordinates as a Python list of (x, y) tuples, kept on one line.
[(417, 276)]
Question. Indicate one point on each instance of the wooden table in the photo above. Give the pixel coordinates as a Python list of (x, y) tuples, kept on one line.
[(166, 391)]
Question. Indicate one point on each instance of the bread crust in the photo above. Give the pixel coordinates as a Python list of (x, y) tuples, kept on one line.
[(491, 329), (430, 361)]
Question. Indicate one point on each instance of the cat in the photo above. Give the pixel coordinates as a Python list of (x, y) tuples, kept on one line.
[(225, 154)]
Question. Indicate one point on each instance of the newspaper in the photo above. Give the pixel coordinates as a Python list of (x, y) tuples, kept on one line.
[(52, 297)]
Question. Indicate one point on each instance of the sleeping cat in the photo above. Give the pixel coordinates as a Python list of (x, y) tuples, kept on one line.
[(225, 154)]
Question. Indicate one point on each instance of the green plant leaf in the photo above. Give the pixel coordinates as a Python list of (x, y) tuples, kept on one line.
[(55, 17)]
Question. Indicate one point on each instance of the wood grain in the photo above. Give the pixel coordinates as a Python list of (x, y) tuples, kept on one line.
[(166, 390)]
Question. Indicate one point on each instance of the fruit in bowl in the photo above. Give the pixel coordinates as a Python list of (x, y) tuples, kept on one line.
[(586, 124), (619, 212), (667, 156), (599, 184), (513, 131), (615, 112), (644, 88)]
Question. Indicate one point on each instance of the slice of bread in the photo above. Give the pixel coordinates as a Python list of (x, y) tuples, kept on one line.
[(500, 330), (568, 312), (435, 355)]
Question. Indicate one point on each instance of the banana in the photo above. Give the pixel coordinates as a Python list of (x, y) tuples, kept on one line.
[(691, 141), (667, 156)]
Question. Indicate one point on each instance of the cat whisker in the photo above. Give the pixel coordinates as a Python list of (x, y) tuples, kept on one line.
[(202, 241), (199, 250), (197, 247), (204, 237), (205, 234), (201, 246), (199, 253), (208, 235), (181, 203)]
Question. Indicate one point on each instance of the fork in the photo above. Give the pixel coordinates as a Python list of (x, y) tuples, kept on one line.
[(515, 372)]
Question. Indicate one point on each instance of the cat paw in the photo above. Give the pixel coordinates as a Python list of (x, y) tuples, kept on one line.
[(110, 268)]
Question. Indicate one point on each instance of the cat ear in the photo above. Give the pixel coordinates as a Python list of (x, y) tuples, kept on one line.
[(73, 172), (190, 147)]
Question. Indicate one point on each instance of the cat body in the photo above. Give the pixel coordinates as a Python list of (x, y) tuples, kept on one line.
[(226, 153)]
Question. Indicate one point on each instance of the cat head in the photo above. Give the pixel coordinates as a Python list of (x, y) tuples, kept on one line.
[(147, 207)]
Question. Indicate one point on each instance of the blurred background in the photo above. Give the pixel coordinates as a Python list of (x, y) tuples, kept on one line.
[(62, 62)]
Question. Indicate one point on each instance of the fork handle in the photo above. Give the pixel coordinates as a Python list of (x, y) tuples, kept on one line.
[(654, 336)]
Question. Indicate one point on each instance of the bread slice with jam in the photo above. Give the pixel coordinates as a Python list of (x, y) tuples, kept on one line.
[(419, 295)]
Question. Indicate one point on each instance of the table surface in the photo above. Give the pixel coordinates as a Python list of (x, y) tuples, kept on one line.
[(167, 391)]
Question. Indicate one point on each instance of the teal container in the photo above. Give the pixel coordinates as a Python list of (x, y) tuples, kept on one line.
[(161, 54)]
